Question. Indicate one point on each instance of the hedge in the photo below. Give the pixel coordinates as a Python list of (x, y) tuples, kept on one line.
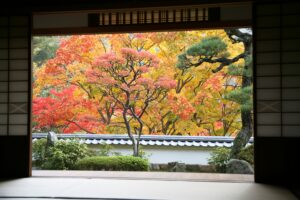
[(113, 163)]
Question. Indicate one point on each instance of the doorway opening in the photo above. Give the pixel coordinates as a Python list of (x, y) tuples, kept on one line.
[(177, 101)]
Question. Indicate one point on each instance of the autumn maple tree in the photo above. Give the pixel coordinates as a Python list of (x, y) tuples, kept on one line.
[(65, 112), (123, 77)]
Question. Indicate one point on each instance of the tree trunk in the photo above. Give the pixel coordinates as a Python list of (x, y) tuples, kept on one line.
[(135, 146), (245, 133), (131, 137)]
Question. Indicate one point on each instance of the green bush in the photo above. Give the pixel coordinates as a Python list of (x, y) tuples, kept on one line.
[(39, 152), (219, 158), (113, 163), (247, 154), (63, 155)]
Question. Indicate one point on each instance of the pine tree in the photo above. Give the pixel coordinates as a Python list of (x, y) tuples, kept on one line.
[(215, 51)]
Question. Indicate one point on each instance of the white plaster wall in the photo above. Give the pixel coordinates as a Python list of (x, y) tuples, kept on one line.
[(169, 154)]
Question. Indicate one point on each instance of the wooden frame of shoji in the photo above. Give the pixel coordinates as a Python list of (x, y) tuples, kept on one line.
[(278, 70), (15, 75)]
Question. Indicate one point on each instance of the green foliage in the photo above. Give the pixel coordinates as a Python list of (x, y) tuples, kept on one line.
[(208, 47), (211, 46), (235, 70), (44, 49), (219, 158), (107, 150), (113, 163), (247, 154), (39, 151), (241, 96), (239, 70), (181, 61), (63, 155)]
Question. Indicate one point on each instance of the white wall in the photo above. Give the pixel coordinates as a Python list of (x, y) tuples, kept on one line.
[(169, 154)]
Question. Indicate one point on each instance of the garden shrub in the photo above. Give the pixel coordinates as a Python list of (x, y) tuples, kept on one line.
[(247, 154), (219, 158), (113, 163), (62, 155), (39, 152)]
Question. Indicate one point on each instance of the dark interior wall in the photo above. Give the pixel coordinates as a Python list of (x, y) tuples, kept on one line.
[(277, 92)]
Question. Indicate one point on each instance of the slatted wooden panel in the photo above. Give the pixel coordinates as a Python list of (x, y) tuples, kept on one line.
[(14, 75), (155, 16)]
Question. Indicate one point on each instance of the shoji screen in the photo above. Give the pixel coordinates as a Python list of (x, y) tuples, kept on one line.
[(277, 66), (278, 70), (14, 93)]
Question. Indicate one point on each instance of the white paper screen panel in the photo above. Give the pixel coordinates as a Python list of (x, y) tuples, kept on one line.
[(268, 118), (14, 75), (267, 34), (291, 118), (20, 130), (268, 70), (291, 106), (291, 81), (18, 75), (3, 43), (291, 8), (3, 109), (3, 119), (291, 69), (291, 57), (291, 45), (271, 45), (3, 130), (18, 86), (268, 21), (18, 64), (291, 131), (3, 64), (265, 10), (3, 86), (268, 82), (268, 94), (269, 131), (268, 58), (18, 43), (18, 54), (290, 32), (291, 94)]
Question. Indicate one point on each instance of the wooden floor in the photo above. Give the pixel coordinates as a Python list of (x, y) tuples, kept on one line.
[(130, 186), (172, 176)]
